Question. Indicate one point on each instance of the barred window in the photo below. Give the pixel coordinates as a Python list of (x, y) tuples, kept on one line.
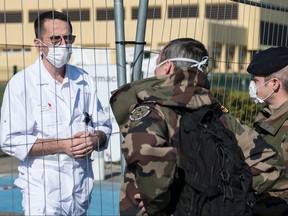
[(230, 53), (273, 34), (11, 17), (78, 15), (103, 14), (242, 57), (152, 13), (216, 54), (221, 11), (182, 11)]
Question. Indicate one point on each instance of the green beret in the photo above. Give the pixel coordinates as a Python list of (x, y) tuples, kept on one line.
[(268, 61)]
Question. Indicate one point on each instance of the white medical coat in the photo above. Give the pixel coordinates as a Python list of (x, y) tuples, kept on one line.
[(36, 106)]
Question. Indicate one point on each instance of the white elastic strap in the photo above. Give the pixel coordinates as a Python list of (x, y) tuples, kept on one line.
[(196, 64)]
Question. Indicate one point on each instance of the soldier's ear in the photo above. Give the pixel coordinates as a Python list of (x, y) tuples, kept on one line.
[(276, 84), (169, 67)]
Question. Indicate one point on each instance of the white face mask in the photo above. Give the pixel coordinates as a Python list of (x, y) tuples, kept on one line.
[(58, 55), (253, 95), (199, 65)]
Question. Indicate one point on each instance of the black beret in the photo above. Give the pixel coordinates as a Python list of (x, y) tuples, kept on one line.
[(268, 61)]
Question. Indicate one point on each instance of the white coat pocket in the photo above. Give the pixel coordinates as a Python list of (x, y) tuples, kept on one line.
[(48, 123)]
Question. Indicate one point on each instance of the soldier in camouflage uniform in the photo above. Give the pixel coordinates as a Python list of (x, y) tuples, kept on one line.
[(269, 69), (144, 110)]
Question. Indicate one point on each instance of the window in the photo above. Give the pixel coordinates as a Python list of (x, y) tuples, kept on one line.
[(103, 14), (273, 34), (152, 13), (182, 11), (78, 15), (11, 17), (222, 11), (242, 57), (230, 51), (216, 55)]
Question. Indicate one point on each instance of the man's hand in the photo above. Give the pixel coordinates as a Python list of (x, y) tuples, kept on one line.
[(82, 144), (141, 204), (79, 145)]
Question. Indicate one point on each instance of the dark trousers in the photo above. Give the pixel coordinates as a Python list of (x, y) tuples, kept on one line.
[(267, 205)]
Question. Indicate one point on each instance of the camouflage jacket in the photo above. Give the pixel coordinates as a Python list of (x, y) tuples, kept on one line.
[(274, 129), (144, 111)]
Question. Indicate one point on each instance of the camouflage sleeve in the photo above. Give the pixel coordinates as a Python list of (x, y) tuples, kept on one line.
[(280, 189), (128, 205), (258, 154), (148, 155)]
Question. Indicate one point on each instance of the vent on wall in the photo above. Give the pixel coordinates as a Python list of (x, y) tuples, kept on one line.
[(152, 13), (222, 11), (182, 11), (104, 14), (34, 14), (78, 15), (11, 17)]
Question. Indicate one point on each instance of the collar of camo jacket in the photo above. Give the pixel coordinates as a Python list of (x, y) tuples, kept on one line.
[(187, 87)]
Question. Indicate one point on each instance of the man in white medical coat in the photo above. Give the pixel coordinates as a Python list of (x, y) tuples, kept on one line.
[(52, 120)]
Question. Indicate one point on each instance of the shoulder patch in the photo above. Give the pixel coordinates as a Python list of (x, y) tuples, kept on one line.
[(139, 112)]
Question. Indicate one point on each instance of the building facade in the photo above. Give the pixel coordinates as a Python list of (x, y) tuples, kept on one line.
[(231, 31)]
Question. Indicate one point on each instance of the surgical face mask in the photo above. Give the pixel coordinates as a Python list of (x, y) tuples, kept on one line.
[(58, 55), (197, 64), (253, 94)]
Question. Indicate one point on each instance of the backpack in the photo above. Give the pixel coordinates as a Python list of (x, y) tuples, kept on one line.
[(216, 180)]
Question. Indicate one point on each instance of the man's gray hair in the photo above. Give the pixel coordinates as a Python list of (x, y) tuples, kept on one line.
[(184, 48)]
